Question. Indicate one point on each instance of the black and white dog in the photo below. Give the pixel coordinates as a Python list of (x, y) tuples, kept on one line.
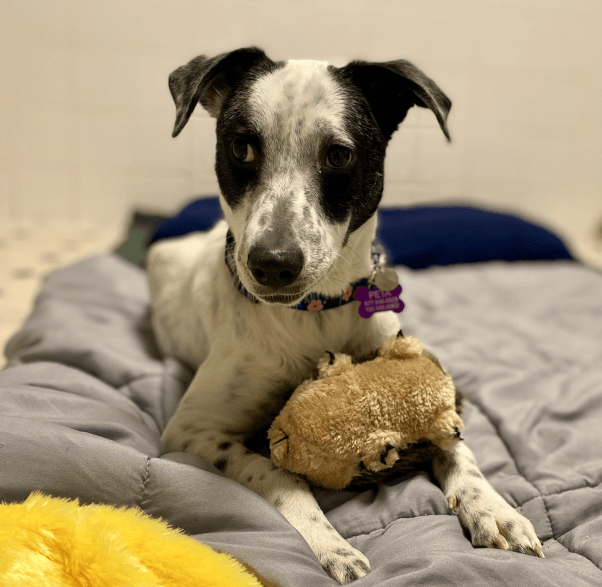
[(300, 156)]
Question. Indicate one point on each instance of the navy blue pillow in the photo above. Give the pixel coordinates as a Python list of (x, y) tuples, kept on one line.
[(198, 215), (445, 235), (422, 236)]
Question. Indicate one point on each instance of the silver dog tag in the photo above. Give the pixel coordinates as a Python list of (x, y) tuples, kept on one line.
[(386, 279)]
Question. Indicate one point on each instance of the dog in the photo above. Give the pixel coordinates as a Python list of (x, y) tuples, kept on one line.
[(300, 162)]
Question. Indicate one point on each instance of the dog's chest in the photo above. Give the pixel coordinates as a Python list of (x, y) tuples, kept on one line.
[(296, 340)]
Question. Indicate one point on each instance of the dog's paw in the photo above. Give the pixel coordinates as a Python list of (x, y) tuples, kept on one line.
[(493, 523), (345, 564)]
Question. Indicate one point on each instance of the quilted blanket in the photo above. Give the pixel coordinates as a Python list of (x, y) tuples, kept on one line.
[(86, 394)]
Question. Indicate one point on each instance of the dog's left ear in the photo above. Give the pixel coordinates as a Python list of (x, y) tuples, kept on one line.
[(210, 80), (392, 88)]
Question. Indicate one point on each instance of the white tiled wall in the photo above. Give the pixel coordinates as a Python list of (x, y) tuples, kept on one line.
[(86, 116)]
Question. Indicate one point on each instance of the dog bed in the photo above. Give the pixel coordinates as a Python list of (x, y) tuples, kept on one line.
[(86, 395)]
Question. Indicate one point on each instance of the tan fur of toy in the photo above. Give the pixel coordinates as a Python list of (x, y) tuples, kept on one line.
[(365, 413)]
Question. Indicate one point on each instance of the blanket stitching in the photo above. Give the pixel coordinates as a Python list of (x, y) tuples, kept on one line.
[(384, 528), (499, 435), (518, 469), (480, 408), (545, 509), (557, 540), (561, 491), (145, 477)]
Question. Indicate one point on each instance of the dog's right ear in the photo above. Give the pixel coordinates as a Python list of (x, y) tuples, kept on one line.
[(209, 81)]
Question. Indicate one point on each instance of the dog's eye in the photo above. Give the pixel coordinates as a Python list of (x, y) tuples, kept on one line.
[(338, 157), (243, 151)]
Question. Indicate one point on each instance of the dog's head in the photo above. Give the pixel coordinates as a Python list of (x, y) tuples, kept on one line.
[(300, 160)]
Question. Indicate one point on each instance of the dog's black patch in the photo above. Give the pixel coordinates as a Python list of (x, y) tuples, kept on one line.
[(221, 464), (235, 123), (355, 190), (378, 97), (342, 552)]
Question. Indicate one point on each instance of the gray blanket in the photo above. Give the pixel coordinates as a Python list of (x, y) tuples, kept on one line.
[(86, 395)]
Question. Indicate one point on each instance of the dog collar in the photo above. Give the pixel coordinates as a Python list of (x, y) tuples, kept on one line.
[(314, 302)]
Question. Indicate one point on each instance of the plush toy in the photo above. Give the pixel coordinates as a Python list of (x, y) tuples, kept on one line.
[(53, 542), (356, 417)]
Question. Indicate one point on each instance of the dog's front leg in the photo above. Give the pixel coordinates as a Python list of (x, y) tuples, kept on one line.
[(491, 521), (213, 420)]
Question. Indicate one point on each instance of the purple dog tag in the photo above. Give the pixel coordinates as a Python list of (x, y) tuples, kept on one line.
[(375, 300)]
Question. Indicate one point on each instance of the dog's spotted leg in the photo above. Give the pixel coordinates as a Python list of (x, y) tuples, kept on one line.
[(287, 492), (491, 521), (204, 424)]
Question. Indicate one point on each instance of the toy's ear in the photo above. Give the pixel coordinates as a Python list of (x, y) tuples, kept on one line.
[(429, 355), (331, 364), (400, 347), (445, 430), (381, 450), (279, 446)]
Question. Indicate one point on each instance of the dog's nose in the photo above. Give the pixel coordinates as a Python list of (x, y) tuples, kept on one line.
[(275, 267)]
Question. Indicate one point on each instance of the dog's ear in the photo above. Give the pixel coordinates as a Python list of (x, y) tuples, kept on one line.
[(392, 88), (209, 81)]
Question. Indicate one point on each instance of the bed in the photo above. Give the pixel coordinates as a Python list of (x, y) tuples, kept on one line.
[(86, 394)]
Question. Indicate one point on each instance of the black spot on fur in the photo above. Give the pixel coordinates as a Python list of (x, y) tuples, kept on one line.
[(192, 428), (278, 502), (361, 565), (344, 553), (476, 516), (351, 574), (224, 446), (221, 464), (249, 478)]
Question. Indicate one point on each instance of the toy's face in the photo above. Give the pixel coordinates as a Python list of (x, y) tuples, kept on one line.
[(326, 468), (320, 467)]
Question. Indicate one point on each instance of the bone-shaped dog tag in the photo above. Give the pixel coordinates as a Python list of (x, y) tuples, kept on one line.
[(374, 300)]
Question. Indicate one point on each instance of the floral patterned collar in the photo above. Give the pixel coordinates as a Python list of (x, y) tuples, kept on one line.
[(313, 302)]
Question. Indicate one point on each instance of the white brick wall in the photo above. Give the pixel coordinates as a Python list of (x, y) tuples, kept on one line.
[(86, 116)]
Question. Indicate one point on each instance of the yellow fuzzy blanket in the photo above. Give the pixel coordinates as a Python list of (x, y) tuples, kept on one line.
[(52, 542)]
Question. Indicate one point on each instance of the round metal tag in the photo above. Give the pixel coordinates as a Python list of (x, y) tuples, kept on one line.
[(386, 279)]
